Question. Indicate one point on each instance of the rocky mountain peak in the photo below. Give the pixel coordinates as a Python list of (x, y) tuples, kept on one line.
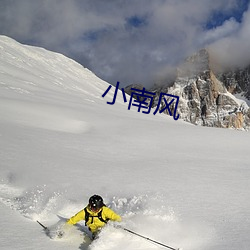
[(206, 97), (197, 64)]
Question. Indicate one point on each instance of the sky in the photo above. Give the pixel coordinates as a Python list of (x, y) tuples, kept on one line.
[(132, 41)]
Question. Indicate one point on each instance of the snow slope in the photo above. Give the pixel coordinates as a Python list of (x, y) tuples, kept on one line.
[(60, 142)]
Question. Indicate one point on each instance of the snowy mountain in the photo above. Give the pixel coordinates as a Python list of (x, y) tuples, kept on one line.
[(207, 97), (60, 142), (205, 100)]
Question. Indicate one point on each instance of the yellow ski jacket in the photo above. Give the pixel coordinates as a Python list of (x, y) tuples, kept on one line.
[(94, 223)]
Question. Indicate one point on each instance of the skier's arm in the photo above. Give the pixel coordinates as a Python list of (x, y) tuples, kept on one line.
[(77, 217), (110, 214)]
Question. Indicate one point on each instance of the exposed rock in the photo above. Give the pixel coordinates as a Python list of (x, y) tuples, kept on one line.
[(237, 81), (206, 100)]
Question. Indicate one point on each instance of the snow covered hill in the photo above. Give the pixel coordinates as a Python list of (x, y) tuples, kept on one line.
[(60, 142)]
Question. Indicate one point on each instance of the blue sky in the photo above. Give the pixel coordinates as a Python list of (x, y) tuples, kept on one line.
[(218, 17), (131, 41)]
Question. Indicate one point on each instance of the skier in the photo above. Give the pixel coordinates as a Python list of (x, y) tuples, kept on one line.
[(95, 214)]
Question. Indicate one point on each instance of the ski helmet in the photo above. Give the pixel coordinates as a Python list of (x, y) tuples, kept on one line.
[(95, 202)]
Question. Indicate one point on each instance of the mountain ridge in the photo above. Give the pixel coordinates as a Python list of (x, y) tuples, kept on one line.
[(207, 96)]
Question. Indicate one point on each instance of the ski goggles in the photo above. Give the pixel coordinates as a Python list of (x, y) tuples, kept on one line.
[(94, 208)]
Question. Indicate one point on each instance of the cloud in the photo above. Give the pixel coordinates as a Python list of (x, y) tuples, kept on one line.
[(128, 41), (228, 28), (233, 49)]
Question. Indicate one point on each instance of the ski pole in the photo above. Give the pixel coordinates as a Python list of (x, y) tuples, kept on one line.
[(146, 238), (45, 228)]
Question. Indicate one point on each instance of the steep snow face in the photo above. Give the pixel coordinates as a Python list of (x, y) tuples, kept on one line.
[(37, 76), (60, 142), (38, 69)]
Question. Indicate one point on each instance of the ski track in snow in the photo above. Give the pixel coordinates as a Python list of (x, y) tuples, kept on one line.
[(145, 214)]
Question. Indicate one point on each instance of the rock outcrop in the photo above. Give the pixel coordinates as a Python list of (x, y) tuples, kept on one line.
[(207, 98)]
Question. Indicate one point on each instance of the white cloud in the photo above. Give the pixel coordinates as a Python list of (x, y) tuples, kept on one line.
[(228, 28), (233, 50), (98, 34)]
